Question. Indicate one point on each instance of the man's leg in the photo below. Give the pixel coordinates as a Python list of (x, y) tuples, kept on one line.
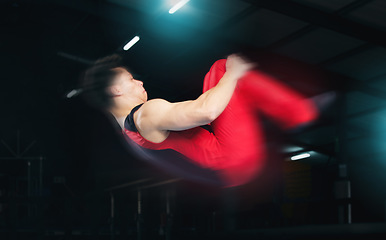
[(285, 106), (238, 128), (238, 133)]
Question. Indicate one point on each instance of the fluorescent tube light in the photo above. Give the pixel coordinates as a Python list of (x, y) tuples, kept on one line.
[(300, 156), (179, 5), (131, 43), (73, 93)]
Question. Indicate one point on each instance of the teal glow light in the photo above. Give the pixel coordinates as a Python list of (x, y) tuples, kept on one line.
[(300, 156), (131, 43), (179, 5)]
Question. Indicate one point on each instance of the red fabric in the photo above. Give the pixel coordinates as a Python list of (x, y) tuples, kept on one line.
[(236, 148)]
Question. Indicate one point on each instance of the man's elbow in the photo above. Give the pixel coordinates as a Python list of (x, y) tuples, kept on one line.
[(207, 114), (211, 115)]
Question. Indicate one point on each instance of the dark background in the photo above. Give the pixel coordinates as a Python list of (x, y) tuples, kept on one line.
[(59, 157)]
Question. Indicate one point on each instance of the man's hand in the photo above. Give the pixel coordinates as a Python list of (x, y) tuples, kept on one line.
[(237, 66)]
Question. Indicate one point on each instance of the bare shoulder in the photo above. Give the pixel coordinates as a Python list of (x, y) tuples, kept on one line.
[(155, 102), (147, 116), (154, 106), (146, 120)]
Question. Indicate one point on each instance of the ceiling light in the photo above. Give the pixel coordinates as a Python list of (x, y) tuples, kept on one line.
[(300, 156), (131, 43), (178, 6), (73, 93)]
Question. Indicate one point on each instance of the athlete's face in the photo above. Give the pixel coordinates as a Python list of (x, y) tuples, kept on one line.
[(128, 86)]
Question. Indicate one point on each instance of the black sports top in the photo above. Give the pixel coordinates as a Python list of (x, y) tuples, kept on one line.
[(129, 121)]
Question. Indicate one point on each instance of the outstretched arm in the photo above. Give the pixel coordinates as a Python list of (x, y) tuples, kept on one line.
[(161, 115)]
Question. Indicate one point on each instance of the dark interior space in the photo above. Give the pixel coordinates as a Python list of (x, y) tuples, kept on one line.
[(67, 173)]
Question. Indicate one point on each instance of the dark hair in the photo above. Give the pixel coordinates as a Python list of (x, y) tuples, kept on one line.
[(98, 78)]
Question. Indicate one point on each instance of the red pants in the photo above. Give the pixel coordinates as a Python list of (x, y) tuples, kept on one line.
[(238, 129)]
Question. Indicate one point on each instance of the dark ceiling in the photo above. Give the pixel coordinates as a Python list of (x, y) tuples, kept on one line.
[(314, 45)]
